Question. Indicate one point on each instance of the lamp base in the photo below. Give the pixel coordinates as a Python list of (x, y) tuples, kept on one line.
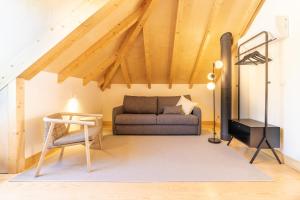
[(214, 140)]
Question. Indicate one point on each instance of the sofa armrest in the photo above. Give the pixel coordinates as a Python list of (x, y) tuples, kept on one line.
[(116, 111), (197, 112)]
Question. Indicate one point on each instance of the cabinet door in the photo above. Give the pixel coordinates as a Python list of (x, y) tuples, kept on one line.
[(240, 132)]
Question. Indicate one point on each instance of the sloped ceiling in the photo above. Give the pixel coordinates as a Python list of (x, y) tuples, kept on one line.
[(148, 42)]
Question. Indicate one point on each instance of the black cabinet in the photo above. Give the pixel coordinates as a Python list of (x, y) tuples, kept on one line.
[(251, 132)]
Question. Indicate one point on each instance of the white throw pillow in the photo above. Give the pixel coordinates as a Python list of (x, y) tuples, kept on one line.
[(187, 105)]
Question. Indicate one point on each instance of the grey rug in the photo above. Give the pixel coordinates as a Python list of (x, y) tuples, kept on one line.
[(150, 159)]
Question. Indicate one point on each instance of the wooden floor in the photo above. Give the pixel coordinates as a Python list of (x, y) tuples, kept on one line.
[(285, 186)]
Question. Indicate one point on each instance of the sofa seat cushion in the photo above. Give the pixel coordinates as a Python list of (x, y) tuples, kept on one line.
[(140, 105), (177, 119), (163, 102), (136, 119)]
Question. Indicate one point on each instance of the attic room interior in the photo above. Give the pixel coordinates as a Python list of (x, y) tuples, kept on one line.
[(149, 99)]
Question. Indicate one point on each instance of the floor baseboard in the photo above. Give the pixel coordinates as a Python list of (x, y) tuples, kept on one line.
[(33, 160), (285, 159)]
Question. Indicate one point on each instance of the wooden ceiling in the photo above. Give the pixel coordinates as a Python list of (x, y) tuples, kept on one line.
[(148, 42)]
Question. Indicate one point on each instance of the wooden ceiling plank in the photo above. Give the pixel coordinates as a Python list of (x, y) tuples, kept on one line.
[(125, 73), (98, 70), (248, 24), (147, 56), (176, 49), (113, 33), (67, 42), (253, 16), (213, 13), (128, 42)]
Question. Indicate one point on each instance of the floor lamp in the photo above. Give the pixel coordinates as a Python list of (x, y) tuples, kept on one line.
[(212, 86)]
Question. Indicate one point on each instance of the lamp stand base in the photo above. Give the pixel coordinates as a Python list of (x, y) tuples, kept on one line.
[(214, 140)]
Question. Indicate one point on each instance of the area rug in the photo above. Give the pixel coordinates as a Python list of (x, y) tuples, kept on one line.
[(150, 159)]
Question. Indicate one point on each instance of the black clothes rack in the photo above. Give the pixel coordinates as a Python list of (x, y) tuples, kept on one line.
[(246, 127)]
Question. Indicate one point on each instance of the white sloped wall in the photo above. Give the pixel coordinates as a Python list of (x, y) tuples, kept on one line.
[(284, 70), (29, 28)]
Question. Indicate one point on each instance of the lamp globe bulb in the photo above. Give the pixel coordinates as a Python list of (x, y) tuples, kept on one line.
[(218, 64), (211, 86), (211, 76)]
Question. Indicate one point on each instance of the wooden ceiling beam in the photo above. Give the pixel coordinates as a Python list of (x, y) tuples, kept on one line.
[(213, 13), (128, 42), (147, 56), (67, 42), (113, 33), (125, 72), (176, 49), (98, 70)]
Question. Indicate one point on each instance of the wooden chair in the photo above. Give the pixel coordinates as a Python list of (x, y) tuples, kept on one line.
[(57, 134)]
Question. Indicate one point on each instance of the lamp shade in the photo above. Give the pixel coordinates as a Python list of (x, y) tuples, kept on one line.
[(218, 64), (211, 85), (211, 76)]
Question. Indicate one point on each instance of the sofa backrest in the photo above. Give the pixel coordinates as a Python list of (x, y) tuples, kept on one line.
[(140, 105), (149, 105), (168, 101)]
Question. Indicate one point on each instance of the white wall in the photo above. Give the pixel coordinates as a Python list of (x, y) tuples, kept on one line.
[(4, 129), (284, 95), (44, 96), (114, 97), (29, 28)]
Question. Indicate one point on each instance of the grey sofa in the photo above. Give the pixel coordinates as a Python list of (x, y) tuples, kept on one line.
[(144, 116)]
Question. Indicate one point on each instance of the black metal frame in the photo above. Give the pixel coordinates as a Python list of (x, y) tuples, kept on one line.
[(266, 44), (214, 139)]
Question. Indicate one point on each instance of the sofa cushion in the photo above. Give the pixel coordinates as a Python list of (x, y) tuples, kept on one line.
[(136, 119), (177, 119), (187, 105), (173, 110), (140, 105), (168, 101)]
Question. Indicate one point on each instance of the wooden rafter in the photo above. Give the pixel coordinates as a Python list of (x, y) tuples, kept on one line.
[(176, 49), (60, 47), (128, 42), (117, 30), (98, 70), (147, 55), (125, 72), (213, 13), (248, 24)]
